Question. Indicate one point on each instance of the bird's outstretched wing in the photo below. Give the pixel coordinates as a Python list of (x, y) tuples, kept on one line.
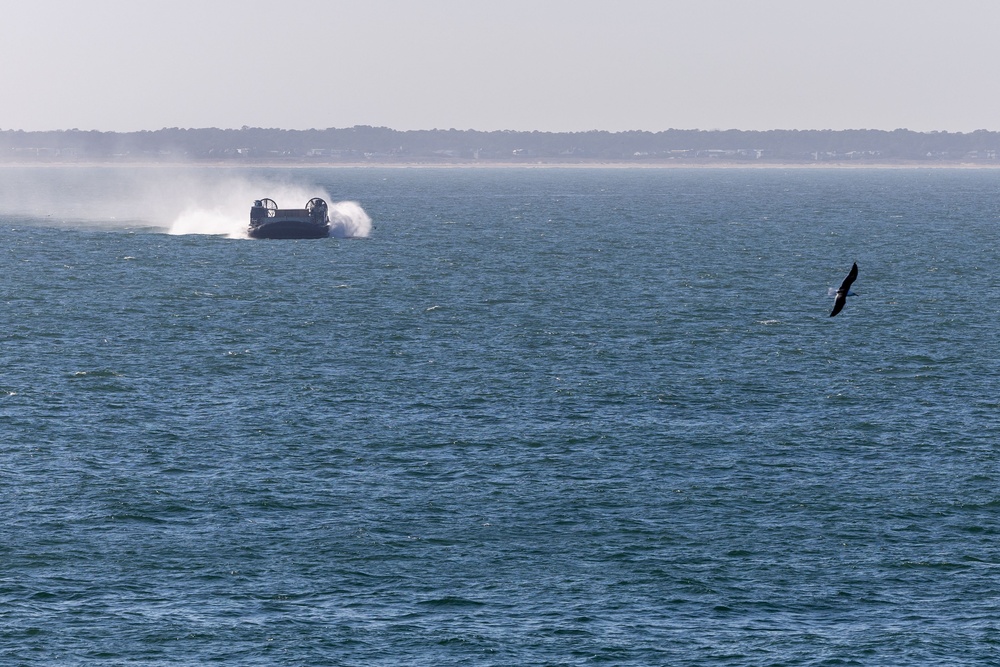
[(851, 277), (838, 304)]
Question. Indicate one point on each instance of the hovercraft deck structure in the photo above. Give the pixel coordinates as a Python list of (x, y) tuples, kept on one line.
[(267, 221)]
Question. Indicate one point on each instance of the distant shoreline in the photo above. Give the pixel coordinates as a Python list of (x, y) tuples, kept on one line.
[(505, 164), (366, 146)]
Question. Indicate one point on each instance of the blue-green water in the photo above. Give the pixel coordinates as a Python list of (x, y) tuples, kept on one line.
[(536, 417)]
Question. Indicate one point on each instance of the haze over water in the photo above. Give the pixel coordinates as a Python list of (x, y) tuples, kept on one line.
[(535, 416)]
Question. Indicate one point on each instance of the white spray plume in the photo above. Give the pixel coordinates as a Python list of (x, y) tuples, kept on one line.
[(177, 200), (349, 221), (225, 208)]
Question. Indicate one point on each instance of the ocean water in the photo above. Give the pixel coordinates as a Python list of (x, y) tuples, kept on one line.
[(529, 417)]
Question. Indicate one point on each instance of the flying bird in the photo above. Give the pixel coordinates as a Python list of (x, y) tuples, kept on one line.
[(845, 290)]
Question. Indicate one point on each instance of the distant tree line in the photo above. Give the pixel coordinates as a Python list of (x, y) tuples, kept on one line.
[(381, 144)]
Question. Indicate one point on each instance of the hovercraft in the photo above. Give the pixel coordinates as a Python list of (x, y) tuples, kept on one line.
[(267, 221)]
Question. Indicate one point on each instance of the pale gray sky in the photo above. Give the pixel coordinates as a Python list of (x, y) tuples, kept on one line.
[(555, 65)]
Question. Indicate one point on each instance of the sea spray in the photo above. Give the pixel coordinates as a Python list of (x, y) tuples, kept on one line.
[(210, 221), (349, 221), (177, 200), (224, 208)]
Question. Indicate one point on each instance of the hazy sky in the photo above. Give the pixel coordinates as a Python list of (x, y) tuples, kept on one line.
[(556, 65)]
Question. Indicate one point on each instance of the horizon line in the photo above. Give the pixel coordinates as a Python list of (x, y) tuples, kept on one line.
[(245, 128)]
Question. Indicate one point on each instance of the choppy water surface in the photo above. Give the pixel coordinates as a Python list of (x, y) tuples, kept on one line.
[(537, 416)]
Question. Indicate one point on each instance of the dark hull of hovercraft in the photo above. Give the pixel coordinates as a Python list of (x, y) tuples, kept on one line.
[(289, 229)]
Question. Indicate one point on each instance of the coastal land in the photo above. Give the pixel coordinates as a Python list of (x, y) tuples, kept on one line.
[(378, 146)]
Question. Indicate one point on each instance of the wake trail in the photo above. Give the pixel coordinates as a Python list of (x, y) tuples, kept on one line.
[(176, 201)]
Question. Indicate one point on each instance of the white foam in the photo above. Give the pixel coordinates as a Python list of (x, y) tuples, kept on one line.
[(348, 220), (176, 200)]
